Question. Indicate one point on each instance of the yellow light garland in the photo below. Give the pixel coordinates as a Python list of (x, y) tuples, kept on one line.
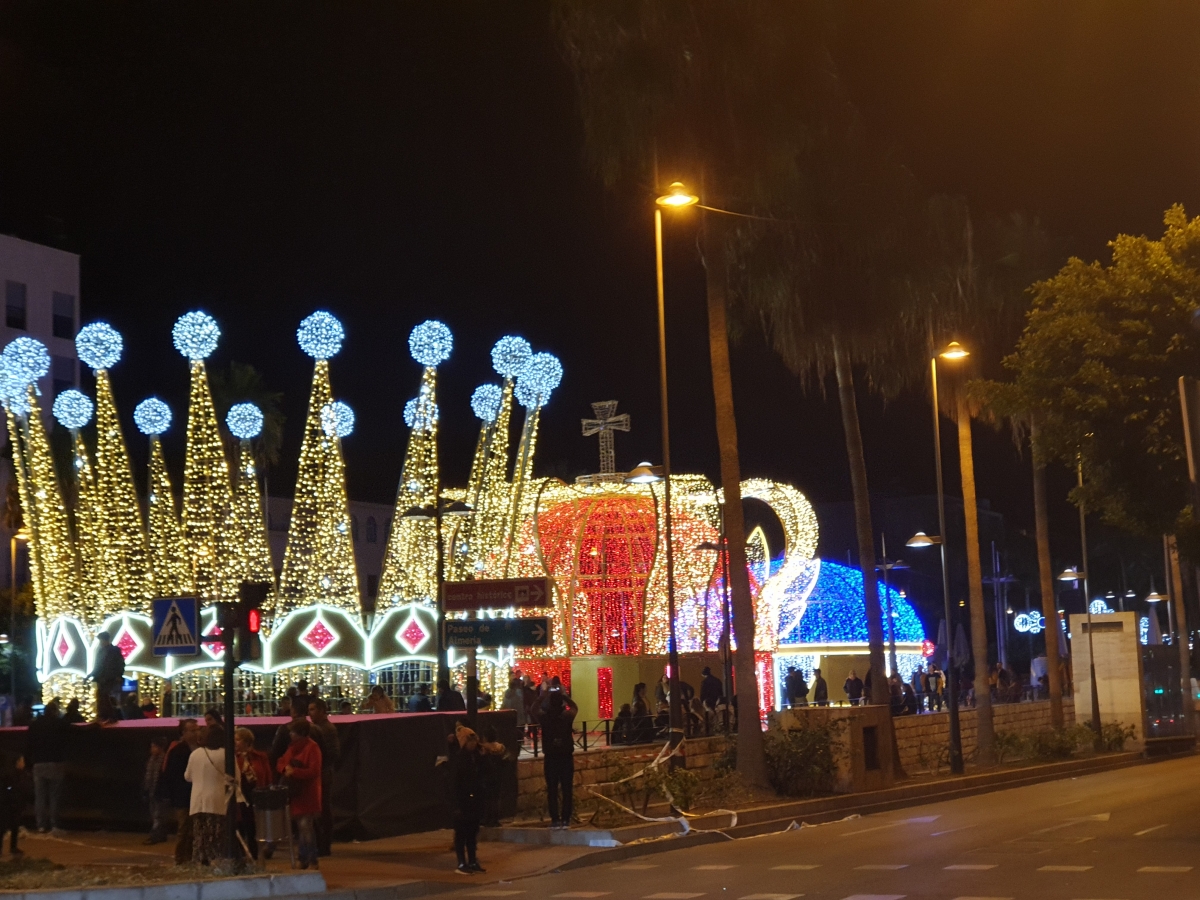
[(207, 499)]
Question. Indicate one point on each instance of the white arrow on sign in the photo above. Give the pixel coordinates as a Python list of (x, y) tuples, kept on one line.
[(538, 632), (536, 594)]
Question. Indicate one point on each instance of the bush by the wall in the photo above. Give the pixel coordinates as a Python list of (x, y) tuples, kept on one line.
[(803, 761)]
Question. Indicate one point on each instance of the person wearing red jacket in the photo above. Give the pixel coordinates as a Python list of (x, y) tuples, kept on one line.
[(300, 765)]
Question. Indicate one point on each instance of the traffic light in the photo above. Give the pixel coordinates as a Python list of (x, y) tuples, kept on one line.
[(248, 640)]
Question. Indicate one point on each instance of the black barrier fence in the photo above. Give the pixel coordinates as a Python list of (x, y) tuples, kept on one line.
[(387, 782)]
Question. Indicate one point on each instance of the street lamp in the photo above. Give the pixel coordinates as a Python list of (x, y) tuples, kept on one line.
[(722, 547), (921, 540), (20, 535), (1074, 574), (886, 566), (436, 511)]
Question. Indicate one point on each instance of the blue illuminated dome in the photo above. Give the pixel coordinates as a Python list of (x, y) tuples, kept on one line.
[(337, 419), (195, 335), (73, 409), (430, 343), (99, 345), (320, 335), (27, 359), (510, 354), (538, 379), (152, 416), (245, 421), (836, 611), (485, 402)]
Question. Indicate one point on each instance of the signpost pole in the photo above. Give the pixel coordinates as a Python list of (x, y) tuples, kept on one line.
[(227, 635), (472, 683)]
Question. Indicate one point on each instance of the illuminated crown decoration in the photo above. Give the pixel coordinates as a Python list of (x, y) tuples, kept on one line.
[(170, 567), (247, 522)]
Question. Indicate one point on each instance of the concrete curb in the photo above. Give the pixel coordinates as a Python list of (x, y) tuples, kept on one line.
[(295, 887)]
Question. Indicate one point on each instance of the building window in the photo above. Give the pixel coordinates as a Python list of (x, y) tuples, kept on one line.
[(354, 528), (372, 585), (62, 370), (64, 315), (372, 530), (14, 304)]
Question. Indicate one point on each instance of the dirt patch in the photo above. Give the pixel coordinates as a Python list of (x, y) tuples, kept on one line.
[(31, 874)]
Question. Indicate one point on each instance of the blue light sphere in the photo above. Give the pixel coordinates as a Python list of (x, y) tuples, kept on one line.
[(420, 415), (27, 359), (14, 390), (537, 379), (99, 345), (245, 421), (195, 335), (321, 335), (152, 416), (510, 354), (430, 343), (73, 409), (485, 402), (337, 419)]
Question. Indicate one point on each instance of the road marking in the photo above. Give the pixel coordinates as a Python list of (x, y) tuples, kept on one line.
[(770, 897), (1064, 868), (583, 895), (712, 868), (951, 830), (971, 867), (1069, 803), (875, 897), (913, 821), (636, 867), (983, 898), (1165, 869), (1148, 830), (798, 868), (494, 893), (670, 896), (882, 867)]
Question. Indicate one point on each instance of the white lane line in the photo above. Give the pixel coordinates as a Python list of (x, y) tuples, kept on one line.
[(950, 830), (667, 895), (583, 895), (1064, 868), (915, 820), (875, 897), (882, 867), (636, 867), (970, 867), (804, 867), (494, 893), (712, 868), (1148, 830), (983, 898), (1069, 803), (770, 897), (1165, 869)]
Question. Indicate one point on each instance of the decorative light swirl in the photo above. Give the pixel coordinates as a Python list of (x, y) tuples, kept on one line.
[(99, 345), (245, 421), (195, 335), (337, 419), (27, 359), (430, 343), (152, 416), (73, 409), (537, 379), (510, 354), (321, 335), (485, 402)]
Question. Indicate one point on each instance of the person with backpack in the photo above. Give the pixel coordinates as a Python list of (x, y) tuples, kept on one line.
[(557, 717)]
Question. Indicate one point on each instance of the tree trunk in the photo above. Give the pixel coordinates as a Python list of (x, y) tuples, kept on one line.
[(862, 519), (1180, 638), (985, 735), (1046, 580), (751, 761)]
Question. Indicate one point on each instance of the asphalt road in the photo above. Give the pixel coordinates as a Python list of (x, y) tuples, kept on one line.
[(1123, 835)]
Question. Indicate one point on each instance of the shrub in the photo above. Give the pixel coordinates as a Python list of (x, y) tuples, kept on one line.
[(803, 761), (1059, 743), (1113, 735), (1010, 745)]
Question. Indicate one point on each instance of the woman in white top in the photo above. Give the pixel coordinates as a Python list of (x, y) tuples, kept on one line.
[(210, 796)]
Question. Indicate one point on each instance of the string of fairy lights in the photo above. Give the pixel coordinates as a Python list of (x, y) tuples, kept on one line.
[(98, 554)]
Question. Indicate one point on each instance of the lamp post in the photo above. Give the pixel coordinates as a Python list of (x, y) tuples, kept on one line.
[(20, 535), (726, 624), (886, 566), (437, 511)]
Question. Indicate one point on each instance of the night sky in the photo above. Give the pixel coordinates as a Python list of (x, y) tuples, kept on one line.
[(393, 162)]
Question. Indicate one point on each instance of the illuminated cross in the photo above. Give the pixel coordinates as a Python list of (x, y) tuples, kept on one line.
[(605, 423)]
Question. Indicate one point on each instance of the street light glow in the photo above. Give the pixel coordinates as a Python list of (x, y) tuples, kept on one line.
[(954, 350), (677, 197), (921, 539)]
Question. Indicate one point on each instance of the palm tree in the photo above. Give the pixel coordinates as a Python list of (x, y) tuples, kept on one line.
[(240, 383)]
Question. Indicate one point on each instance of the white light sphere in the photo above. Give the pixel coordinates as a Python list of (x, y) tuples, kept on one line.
[(485, 402), (195, 335), (337, 419), (14, 391), (99, 345), (27, 359), (420, 414), (152, 416), (537, 379), (430, 343), (321, 335), (73, 409), (245, 421), (510, 354)]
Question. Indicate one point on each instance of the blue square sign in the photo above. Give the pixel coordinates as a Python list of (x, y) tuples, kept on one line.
[(176, 626)]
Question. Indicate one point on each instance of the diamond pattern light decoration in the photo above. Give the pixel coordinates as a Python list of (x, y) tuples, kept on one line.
[(412, 636), (215, 649), (64, 647), (319, 637), (127, 643)]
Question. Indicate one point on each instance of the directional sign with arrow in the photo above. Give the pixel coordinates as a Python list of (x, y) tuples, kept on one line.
[(468, 596), (532, 632)]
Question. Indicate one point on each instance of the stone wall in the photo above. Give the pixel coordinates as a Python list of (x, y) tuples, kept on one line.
[(923, 739), (609, 764)]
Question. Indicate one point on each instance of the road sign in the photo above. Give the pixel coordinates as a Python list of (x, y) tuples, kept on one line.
[(176, 626), (468, 596), (532, 632)]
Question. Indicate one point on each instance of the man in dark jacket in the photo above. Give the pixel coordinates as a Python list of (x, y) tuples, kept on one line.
[(853, 688), (46, 758), (711, 689), (448, 699), (324, 732), (820, 689), (556, 717), (107, 673), (796, 687), (177, 790)]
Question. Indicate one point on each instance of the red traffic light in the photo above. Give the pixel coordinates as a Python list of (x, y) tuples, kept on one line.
[(254, 620)]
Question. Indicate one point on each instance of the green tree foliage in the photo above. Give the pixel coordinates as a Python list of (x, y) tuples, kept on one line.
[(240, 383)]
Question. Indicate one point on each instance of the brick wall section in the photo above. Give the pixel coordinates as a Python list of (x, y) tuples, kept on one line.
[(921, 738)]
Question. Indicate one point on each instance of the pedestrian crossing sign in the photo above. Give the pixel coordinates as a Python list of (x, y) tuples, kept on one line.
[(176, 626)]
